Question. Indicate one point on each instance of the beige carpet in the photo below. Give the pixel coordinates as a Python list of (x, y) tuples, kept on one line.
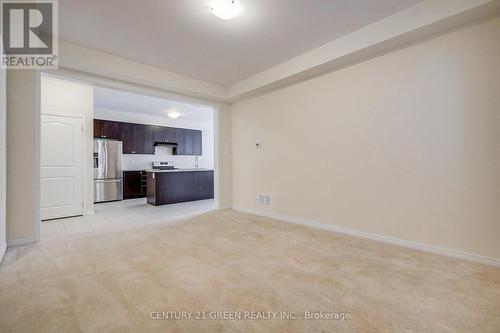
[(228, 261)]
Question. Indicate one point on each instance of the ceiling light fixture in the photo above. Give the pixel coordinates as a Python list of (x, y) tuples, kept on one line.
[(225, 9), (173, 114)]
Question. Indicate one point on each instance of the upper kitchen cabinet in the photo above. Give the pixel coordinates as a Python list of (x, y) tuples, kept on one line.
[(186, 144), (141, 139), (189, 142), (149, 139), (137, 139), (98, 128), (165, 134), (105, 129), (127, 135), (197, 142)]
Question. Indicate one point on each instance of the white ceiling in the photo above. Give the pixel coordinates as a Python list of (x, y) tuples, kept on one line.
[(129, 102), (182, 36)]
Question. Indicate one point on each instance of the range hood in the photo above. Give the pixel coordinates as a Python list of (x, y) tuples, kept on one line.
[(166, 143)]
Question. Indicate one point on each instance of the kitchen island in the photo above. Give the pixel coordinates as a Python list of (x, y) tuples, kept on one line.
[(179, 185)]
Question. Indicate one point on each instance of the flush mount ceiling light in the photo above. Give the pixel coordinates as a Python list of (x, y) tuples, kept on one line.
[(173, 114), (225, 9)]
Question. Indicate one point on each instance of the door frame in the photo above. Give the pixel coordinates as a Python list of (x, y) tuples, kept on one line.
[(3, 161), (96, 81)]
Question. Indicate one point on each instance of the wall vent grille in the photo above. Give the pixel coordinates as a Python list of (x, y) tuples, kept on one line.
[(265, 200)]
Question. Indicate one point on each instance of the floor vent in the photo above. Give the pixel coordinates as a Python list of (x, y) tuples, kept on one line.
[(265, 200)]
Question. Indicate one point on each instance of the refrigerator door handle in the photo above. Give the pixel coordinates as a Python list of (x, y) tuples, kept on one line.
[(100, 173), (107, 180), (105, 158), (96, 160)]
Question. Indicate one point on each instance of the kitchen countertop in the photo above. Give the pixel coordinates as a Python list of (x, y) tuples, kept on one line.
[(179, 170)]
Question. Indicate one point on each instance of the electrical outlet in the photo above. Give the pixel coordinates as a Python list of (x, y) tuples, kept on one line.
[(258, 145)]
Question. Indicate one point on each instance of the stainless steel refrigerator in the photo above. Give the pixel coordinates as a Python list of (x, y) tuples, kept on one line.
[(108, 170)]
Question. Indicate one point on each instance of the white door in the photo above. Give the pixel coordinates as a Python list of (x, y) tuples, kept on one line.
[(61, 174)]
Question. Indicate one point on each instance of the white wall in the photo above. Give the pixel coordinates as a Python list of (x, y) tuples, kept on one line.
[(103, 64), (139, 162), (3, 230), (73, 99), (223, 154), (406, 145), (23, 137)]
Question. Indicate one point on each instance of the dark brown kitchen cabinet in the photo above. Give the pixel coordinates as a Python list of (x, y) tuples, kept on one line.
[(141, 139), (165, 188), (106, 129), (178, 134), (189, 142), (137, 138), (134, 184), (184, 142), (98, 128), (148, 146), (197, 143), (129, 138), (165, 134)]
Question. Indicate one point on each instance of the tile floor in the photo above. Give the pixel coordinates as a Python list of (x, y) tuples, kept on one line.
[(122, 215)]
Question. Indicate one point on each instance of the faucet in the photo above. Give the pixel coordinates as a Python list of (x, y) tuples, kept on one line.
[(196, 162)]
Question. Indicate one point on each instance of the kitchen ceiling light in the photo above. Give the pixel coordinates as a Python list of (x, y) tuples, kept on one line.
[(173, 114), (225, 9)]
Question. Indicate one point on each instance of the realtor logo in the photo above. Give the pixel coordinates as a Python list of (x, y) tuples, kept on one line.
[(29, 34)]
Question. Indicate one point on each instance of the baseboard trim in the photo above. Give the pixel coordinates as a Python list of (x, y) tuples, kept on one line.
[(21, 241), (376, 237)]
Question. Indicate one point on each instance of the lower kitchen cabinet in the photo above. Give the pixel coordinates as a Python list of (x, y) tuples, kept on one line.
[(134, 184), (173, 187)]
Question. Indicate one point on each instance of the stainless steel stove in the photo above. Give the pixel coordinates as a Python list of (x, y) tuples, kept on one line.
[(163, 166)]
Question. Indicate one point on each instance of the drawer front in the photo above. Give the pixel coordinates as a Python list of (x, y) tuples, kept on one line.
[(108, 190)]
